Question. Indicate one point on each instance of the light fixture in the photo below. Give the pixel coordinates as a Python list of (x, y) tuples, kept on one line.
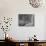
[(35, 3)]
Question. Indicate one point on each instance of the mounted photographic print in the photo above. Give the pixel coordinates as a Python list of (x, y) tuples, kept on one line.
[(26, 20)]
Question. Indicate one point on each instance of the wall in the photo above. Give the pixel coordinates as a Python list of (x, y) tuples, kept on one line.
[(12, 8), (45, 29), (26, 32)]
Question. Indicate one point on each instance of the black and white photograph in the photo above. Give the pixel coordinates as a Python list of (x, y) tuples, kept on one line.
[(26, 20), (22, 22)]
